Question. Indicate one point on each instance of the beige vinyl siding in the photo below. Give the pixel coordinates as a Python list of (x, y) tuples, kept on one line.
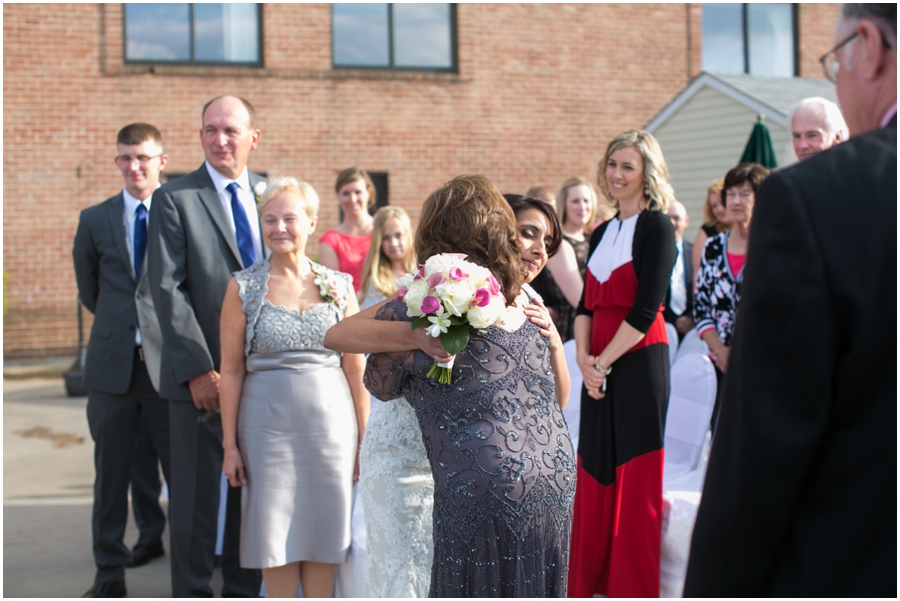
[(703, 140)]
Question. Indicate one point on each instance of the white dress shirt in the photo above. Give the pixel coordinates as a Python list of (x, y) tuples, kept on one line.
[(247, 200), (131, 205), (678, 302)]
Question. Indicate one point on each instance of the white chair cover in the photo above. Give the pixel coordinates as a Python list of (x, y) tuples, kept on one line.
[(690, 408), (572, 412), (691, 343), (673, 342), (686, 451)]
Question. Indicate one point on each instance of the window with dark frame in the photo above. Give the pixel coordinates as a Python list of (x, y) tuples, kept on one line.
[(758, 39), (418, 37), (204, 34)]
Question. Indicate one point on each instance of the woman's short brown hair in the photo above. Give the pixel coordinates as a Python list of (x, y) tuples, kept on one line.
[(353, 174), (745, 172), (468, 215)]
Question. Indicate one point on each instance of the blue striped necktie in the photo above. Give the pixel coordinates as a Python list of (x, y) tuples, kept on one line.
[(241, 227)]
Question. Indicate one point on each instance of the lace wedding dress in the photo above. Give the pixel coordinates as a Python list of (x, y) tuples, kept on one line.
[(396, 490)]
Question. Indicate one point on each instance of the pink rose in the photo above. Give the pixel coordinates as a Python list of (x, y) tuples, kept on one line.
[(401, 293), (457, 274), (435, 279), (482, 297), (430, 304), (494, 286)]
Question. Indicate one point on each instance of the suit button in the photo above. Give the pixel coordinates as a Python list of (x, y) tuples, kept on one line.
[(140, 295), (131, 327)]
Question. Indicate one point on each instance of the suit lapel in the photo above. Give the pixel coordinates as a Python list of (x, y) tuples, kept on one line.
[(115, 212), (210, 199)]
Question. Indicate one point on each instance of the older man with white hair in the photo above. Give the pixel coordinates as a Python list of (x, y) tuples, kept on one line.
[(816, 125), (800, 498)]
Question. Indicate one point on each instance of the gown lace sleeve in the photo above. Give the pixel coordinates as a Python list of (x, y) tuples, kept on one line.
[(386, 373)]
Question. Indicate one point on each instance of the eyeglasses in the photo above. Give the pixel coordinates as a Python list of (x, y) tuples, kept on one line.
[(123, 160), (829, 61)]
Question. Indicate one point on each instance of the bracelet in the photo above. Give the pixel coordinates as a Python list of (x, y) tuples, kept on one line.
[(603, 371)]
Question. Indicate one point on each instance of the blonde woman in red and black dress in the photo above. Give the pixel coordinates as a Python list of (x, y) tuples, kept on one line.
[(624, 359)]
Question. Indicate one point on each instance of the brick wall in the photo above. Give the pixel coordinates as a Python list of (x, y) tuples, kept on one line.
[(816, 22), (540, 91)]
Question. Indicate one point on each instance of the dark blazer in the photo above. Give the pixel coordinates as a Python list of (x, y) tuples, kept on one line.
[(191, 254), (801, 492), (668, 314), (107, 288)]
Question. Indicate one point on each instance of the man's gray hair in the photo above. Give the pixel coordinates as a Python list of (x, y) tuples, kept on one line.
[(834, 120), (883, 15)]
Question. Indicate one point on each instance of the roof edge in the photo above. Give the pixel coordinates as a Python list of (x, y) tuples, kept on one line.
[(709, 80)]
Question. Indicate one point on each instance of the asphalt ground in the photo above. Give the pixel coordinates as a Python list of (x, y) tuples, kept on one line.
[(48, 476)]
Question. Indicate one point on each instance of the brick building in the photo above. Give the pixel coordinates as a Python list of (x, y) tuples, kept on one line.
[(532, 94)]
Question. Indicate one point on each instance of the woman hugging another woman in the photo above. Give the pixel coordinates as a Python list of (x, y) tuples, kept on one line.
[(499, 451)]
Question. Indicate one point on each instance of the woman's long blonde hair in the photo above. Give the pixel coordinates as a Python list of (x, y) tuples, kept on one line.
[(377, 270)]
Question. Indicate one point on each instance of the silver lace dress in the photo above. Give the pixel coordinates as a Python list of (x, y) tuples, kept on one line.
[(296, 431), (501, 458)]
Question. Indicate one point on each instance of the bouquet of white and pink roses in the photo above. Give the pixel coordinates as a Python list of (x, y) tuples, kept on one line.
[(449, 295)]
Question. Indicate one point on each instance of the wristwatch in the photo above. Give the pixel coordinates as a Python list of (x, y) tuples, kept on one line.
[(604, 371)]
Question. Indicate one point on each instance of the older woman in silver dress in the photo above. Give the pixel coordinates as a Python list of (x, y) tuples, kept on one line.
[(292, 412)]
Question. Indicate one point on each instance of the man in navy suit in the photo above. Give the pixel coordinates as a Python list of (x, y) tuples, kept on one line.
[(800, 498), (680, 298), (123, 358)]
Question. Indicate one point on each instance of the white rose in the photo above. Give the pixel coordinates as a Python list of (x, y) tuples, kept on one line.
[(415, 294), (488, 315), (456, 296), (438, 264), (259, 189)]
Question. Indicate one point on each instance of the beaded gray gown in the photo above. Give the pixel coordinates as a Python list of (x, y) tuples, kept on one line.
[(297, 430), (501, 458)]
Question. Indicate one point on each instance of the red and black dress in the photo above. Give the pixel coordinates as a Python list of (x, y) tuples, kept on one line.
[(618, 498)]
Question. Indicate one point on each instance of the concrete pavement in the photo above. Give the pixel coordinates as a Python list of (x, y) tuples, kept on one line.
[(48, 475)]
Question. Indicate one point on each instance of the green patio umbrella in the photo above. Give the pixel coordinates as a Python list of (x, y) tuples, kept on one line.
[(759, 147)]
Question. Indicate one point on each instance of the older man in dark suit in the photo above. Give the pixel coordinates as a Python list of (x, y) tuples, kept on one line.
[(800, 498), (680, 298), (123, 358), (203, 227)]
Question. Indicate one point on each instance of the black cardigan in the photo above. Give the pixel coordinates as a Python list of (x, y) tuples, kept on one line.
[(653, 256)]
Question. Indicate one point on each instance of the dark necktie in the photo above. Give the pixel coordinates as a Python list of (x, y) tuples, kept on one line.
[(140, 239), (241, 227)]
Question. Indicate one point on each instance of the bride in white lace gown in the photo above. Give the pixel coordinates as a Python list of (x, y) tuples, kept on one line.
[(395, 483)]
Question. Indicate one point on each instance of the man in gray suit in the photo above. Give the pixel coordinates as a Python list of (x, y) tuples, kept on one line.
[(204, 227), (123, 354)]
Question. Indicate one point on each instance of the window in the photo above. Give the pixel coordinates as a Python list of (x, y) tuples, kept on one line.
[(758, 39), (394, 36), (210, 34)]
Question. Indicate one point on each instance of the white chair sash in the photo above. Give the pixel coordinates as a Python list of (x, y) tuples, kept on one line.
[(572, 412), (673, 342)]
